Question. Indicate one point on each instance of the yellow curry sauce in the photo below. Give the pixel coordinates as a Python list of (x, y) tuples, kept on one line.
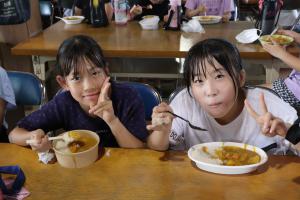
[(234, 156), (82, 142)]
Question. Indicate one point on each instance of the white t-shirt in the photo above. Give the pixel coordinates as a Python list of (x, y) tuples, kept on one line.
[(242, 129)]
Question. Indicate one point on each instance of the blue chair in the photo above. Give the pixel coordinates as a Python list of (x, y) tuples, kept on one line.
[(150, 96), (28, 88), (29, 91)]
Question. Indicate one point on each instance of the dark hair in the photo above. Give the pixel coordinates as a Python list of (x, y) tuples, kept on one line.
[(76, 50), (222, 51)]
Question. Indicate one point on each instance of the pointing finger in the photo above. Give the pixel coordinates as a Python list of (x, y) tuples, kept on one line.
[(263, 103), (250, 110), (104, 90)]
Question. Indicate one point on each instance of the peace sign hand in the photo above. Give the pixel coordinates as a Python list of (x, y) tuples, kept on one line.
[(270, 125), (104, 108)]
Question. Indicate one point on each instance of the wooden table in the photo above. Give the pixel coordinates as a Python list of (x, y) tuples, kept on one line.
[(131, 41), (145, 174)]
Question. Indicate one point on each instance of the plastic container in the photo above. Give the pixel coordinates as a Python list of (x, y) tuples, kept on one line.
[(150, 23), (120, 11), (80, 159)]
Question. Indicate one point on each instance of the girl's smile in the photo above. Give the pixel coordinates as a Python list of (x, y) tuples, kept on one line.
[(91, 96)]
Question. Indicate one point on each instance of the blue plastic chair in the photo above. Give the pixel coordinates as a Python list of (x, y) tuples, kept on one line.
[(150, 96), (28, 88)]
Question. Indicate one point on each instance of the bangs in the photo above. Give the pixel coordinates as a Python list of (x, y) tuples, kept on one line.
[(76, 53), (209, 51)]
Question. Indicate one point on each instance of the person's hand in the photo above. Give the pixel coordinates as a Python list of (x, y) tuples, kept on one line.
[(275, 49), (290, 33), (161, 119), (104, 108), (136, 10), (40, 141), (270, 125), (226, 18), (201, 9)]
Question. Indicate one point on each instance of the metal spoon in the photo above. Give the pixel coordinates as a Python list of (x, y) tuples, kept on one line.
[(190, 124)]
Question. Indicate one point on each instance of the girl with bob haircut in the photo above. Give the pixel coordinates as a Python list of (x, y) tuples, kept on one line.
[(90, 101), (215, 99)]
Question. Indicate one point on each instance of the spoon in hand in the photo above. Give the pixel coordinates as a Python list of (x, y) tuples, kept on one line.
[(190, 124), (67, 137)]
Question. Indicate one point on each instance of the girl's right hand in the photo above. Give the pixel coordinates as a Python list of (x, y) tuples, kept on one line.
[(41, 142), (290, 33), (161, 119)]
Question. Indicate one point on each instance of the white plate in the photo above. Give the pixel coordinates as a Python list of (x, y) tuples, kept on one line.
[(73, 19), (206, 163), (209, 19)]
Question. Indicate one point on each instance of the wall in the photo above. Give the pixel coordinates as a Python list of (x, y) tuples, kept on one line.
[(11, 35)]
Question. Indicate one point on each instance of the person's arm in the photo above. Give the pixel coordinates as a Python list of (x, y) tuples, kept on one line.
[(2, 111), (78, 11), (104, 110), (280, 52), (161, 127), (39, 140), (193, 12), (226, 16), (135, 11), (124, 138), (19, 136), (290, 33)]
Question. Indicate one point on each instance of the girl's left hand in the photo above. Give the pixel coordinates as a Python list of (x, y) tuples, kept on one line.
[(270, 125), (104, 108)]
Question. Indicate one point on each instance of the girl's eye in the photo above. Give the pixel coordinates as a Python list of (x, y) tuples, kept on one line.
[(219, 76), (198, 81), (76, 78), (96, 73)]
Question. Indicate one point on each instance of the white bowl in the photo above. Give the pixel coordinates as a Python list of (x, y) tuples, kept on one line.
[(73, 19), (206, 163), (76, 160)]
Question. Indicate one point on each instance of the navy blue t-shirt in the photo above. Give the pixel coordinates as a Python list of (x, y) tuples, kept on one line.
[(64, 112)]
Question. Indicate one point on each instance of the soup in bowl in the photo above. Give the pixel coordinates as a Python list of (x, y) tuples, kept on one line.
[(79, 152)]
